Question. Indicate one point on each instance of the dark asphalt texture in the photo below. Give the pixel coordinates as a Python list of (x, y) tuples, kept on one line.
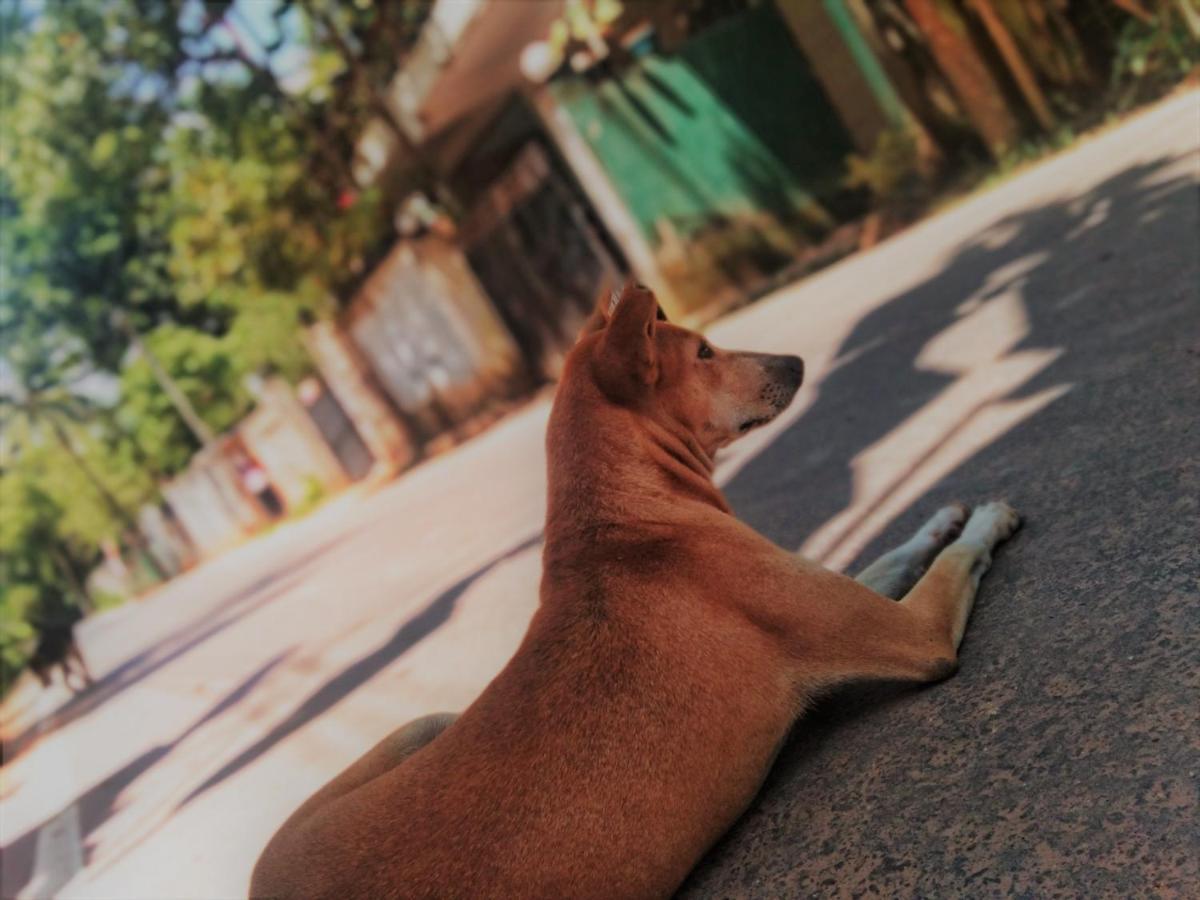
[(1063, 759)]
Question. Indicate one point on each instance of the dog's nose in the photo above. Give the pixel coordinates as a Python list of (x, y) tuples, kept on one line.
[(791, 369)]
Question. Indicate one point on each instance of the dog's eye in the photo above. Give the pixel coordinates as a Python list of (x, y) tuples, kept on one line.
[(705, 351)]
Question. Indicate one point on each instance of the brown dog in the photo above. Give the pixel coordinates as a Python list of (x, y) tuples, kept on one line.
[(672, 651)]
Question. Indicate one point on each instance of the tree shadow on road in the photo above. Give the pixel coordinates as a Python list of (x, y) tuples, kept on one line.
[(1110, 285), (802, 479), (353, 676), (96, 805), (178, 643), (99, 803)]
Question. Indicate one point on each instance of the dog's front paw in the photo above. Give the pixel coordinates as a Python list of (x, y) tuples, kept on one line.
[(991, 523), (945, 525)]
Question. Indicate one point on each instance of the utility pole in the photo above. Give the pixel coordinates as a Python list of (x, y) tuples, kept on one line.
[(178, 398)]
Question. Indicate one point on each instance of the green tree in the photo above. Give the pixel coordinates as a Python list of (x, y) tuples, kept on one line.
[(314, 118), (85, 106), (110, 205), (41, 574), (204, 369), (42, 404)]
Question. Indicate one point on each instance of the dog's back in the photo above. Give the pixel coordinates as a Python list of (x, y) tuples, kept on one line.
[(568, 777)]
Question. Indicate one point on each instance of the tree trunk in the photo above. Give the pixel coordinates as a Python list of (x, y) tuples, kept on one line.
[(1135, 9), (1021, 73), (114, 506), (1051, 42), (968, 74)]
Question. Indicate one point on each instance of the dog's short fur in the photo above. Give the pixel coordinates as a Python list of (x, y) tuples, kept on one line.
[(672, 651)]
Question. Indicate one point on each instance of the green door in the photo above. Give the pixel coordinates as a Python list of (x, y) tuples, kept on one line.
[(732, 133)]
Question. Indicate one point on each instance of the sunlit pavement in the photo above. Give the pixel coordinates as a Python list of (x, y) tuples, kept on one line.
[(1039, 342)]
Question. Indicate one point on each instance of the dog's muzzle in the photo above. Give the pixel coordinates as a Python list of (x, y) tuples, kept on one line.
[(783, 377), (785, 374)]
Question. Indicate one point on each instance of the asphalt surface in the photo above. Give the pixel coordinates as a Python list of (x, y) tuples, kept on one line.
[(1039, 343), (1064, 758)]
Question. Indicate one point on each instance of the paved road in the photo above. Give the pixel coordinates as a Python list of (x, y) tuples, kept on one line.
[(1040, 342)]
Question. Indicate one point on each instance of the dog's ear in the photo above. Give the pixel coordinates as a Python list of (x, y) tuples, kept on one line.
[(627, 360), (606, 305)]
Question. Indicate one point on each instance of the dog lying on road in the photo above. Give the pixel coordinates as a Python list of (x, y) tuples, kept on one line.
[(672, 651)]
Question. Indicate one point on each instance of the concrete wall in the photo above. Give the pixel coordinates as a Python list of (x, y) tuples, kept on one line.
[(210, 503), (430, 335), (349, 377), (280, 434), (168, 544)]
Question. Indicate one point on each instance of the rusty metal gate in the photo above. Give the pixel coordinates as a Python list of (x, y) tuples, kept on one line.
[(335, 426), (540, 255)]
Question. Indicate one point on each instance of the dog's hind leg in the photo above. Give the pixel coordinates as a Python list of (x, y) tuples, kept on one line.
[(383, 757), (271, 868), (895, 573)]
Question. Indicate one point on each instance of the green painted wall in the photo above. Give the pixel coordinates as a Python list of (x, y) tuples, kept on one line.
[(732, 127)]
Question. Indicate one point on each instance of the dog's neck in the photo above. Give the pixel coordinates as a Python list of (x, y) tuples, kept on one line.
[(616, 468), (676, 451)]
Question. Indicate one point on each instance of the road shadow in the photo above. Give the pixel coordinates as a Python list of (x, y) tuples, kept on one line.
[(96, 805), (175, 645), (803, 478), (1061, 744), (353, 676), (100, 802)]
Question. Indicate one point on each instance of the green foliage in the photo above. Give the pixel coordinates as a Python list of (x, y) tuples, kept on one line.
[(51, 428), (83, 516), (241, 238), (158, 160), (204, 370), (62, 488), (39, 569), (80, 148), (1031, 151), (16, 634), (1151, 58), (891, 173), (314, 496)]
